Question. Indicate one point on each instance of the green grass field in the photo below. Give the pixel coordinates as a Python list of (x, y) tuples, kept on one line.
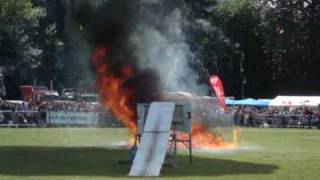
[(86, 154)]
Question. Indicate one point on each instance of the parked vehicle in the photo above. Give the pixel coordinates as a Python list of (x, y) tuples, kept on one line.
[(36, 94)]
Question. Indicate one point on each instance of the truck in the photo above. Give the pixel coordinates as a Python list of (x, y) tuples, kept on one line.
[(36, 94)]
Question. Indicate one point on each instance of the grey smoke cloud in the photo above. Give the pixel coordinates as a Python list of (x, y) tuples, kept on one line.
[(204, 25), (161, 45), (77, 53), (157, 38)]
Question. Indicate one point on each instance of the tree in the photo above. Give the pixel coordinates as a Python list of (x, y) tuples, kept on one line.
[(17, 22), (50, 38), (278, 41), (214, 52), (241, 23), (291, 30), (18, 53)]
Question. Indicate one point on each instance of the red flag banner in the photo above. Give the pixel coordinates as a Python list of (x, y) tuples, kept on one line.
[(217, 86)]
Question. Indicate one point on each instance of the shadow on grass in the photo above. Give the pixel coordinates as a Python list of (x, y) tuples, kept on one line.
[(85, 161)]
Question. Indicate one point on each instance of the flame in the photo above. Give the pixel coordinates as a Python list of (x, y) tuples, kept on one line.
[(204, 138), (113, 93), (120, 98)]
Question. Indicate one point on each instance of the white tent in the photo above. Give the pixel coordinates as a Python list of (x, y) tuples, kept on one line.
[(295, 101)]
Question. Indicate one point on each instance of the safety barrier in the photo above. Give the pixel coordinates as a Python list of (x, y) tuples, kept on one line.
[(106, 119), (57, 119), (6, 118), (20, 118), (279, 120)]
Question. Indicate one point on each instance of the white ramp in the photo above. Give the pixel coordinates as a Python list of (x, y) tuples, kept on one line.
[(152, 150)]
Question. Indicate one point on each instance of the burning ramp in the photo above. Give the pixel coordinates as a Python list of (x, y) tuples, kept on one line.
[(152, 150)]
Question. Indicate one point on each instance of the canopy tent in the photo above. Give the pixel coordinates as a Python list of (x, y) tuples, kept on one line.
[(229, 101), (248, 102), (295, 101), (264, 102)]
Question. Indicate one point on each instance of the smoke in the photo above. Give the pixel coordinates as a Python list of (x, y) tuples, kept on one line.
[(161, 44), (139, 50), (121, 82), (77, 51), (111, 27), (204, 25), (149, 34)]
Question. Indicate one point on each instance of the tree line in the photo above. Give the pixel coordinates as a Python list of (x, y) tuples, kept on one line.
[(260, 48)]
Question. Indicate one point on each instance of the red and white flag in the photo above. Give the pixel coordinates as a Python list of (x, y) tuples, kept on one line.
[(217, 86)]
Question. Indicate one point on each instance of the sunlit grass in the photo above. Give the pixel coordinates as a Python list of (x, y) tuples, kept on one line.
[(86, 154)]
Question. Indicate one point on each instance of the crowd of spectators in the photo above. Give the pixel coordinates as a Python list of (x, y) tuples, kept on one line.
[(279, 116), (67, 106), (242, 115), (30, 114), (70, 106)]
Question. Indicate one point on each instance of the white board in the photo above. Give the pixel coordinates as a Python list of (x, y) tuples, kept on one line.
[(159, 117), (152, 150)]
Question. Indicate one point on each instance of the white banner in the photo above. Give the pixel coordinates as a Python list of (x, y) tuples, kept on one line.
[(72, 118)]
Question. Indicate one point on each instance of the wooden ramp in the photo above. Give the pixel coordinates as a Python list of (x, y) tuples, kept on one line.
[(153, 147)]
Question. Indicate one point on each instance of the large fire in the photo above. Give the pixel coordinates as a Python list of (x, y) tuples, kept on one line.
[(204, 138), (112, 91), (121, 97), (121, 82)]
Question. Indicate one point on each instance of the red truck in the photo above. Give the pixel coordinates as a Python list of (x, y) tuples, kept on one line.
[(36, 94)]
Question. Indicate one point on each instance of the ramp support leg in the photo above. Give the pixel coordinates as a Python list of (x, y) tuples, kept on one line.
[(190, 148)]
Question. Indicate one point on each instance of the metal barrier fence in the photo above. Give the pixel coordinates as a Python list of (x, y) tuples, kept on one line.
[(6, 118), (280, 120), (21, 119), (43, 119), (106, 119), (28, 118)]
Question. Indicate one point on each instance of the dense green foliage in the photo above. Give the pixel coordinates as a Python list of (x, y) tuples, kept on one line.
[(18, 51), (260, 48), (30, 38), (87, 154), (275, 48)]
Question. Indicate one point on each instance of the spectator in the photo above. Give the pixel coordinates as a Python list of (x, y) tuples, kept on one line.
[(308, 114)]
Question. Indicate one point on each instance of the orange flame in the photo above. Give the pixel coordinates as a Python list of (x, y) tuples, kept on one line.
[(203, 138), (118, 97), (111, 89)]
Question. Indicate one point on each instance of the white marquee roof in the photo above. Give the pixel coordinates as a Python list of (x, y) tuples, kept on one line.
[(295, 101)]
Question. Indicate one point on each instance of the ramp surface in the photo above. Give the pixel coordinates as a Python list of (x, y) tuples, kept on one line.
[(152, 150)]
